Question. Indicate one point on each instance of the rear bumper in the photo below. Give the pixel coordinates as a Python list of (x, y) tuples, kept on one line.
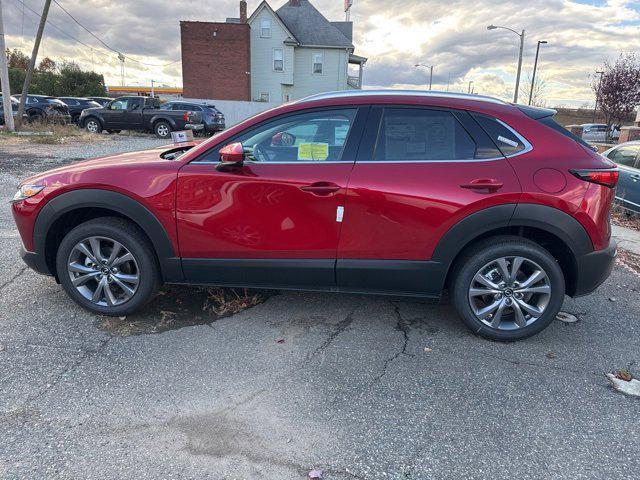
[(35, 261), (194, 126), (594, 268)]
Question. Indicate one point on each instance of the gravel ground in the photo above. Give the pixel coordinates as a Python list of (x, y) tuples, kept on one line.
[(362, 387)]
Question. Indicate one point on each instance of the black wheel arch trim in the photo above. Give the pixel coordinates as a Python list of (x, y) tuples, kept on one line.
[(170, 264), (549, 219)]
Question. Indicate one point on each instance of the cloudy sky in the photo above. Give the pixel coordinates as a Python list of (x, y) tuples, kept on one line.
[(393, 34)]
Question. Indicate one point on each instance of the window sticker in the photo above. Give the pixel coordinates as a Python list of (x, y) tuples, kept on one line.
[(508, 142), (313, 151)]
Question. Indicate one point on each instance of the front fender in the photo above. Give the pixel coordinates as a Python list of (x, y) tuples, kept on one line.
[(170, 264)]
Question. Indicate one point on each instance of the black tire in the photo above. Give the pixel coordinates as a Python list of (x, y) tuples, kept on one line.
[(162, 129), (474, 258), (92, 125), (133, 240)]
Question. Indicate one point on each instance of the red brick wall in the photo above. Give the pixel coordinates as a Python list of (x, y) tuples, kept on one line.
[(216, 66)]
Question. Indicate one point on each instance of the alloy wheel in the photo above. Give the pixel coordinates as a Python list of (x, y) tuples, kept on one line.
[(509, 293), (92, 126), (103, 271), (162, 130)]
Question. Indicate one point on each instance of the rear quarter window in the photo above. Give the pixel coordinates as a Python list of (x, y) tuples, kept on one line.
[(505, 139)]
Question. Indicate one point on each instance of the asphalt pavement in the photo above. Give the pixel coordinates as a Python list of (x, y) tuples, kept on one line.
[(362, 387)]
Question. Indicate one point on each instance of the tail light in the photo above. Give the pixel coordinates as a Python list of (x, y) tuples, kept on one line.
[(607, 177), (185, 116)]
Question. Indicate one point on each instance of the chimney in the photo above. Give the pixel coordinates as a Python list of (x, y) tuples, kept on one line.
[(243, 11)]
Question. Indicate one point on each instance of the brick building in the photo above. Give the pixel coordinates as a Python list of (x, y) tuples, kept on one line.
[(271, 56), (216, 58)]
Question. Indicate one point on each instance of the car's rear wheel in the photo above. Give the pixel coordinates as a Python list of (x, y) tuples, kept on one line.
[(507, 288), (107, 266), (92, 125), (162, 129)]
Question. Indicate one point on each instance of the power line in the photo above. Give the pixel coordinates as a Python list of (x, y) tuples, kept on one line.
[(107, 45)]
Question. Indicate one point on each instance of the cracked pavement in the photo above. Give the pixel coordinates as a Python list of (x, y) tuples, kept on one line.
[(362, 387)]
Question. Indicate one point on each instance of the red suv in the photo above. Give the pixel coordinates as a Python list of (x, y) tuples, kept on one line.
[(384, 192)]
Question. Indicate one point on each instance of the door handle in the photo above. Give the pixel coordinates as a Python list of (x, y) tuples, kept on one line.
[(321, 188), (635, 177), (489, 184)]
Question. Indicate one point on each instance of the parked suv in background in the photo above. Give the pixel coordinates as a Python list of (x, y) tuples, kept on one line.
[(46, 109), (77, 105), (139, 113), (212, 118), (14, 109), (381, 192), (627, 157), (594, 132)]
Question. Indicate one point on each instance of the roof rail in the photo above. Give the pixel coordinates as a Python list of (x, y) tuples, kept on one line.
[(418, 93)]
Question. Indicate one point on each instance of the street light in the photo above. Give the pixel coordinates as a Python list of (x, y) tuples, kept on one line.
[(595, 108), (535, 67), (521, 35), (430, 75)]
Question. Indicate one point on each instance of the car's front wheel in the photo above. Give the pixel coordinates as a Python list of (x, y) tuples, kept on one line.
[(507, 288), (107, 266)]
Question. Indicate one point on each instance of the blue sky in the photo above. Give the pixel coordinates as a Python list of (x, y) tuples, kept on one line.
[(394, 36)]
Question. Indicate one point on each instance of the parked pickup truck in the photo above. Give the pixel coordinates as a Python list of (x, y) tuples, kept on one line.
[(138, 113)]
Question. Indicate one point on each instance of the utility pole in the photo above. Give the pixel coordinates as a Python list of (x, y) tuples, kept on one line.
[(430, 67), (32, 61), (535, 67), (4, 79), (515, 95), (521, 35)]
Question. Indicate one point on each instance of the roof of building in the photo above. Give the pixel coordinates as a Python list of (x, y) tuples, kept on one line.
[(310, 27)]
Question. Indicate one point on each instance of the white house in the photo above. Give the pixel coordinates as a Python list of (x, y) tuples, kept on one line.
[(296, 52)]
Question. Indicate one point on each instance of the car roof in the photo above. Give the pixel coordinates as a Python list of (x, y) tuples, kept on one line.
[(400, 93)]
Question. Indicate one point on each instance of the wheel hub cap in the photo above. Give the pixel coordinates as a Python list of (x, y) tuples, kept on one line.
[(103, 271), (509, 293)]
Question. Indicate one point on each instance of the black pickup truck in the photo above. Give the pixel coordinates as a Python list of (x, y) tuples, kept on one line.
[(139, 113)]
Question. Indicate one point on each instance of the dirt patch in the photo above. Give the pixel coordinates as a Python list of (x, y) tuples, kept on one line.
[(629, 260), (621, 217), (178, 307)]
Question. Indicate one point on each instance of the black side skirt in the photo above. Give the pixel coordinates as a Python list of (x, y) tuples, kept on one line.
[(393, 277)]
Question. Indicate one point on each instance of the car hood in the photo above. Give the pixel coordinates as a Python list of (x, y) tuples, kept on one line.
[(98, 170)]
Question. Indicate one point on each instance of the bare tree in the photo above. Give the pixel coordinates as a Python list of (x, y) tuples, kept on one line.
[(617, 89), (539, 90)]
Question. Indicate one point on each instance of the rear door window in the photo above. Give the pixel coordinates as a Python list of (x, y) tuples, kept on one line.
[(419, 134), (505, 139), (625, 155)]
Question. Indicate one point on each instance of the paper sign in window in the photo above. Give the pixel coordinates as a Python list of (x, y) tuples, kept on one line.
[(313, 151)]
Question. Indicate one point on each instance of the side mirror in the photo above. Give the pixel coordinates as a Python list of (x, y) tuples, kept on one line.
[(231, 157)]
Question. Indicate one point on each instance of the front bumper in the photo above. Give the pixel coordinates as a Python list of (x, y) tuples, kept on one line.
[(35, 261), (594, 268)]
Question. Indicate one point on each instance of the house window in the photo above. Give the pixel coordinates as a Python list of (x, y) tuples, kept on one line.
[(318, 61), (264, 96), (265, 28), (278, 62)]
